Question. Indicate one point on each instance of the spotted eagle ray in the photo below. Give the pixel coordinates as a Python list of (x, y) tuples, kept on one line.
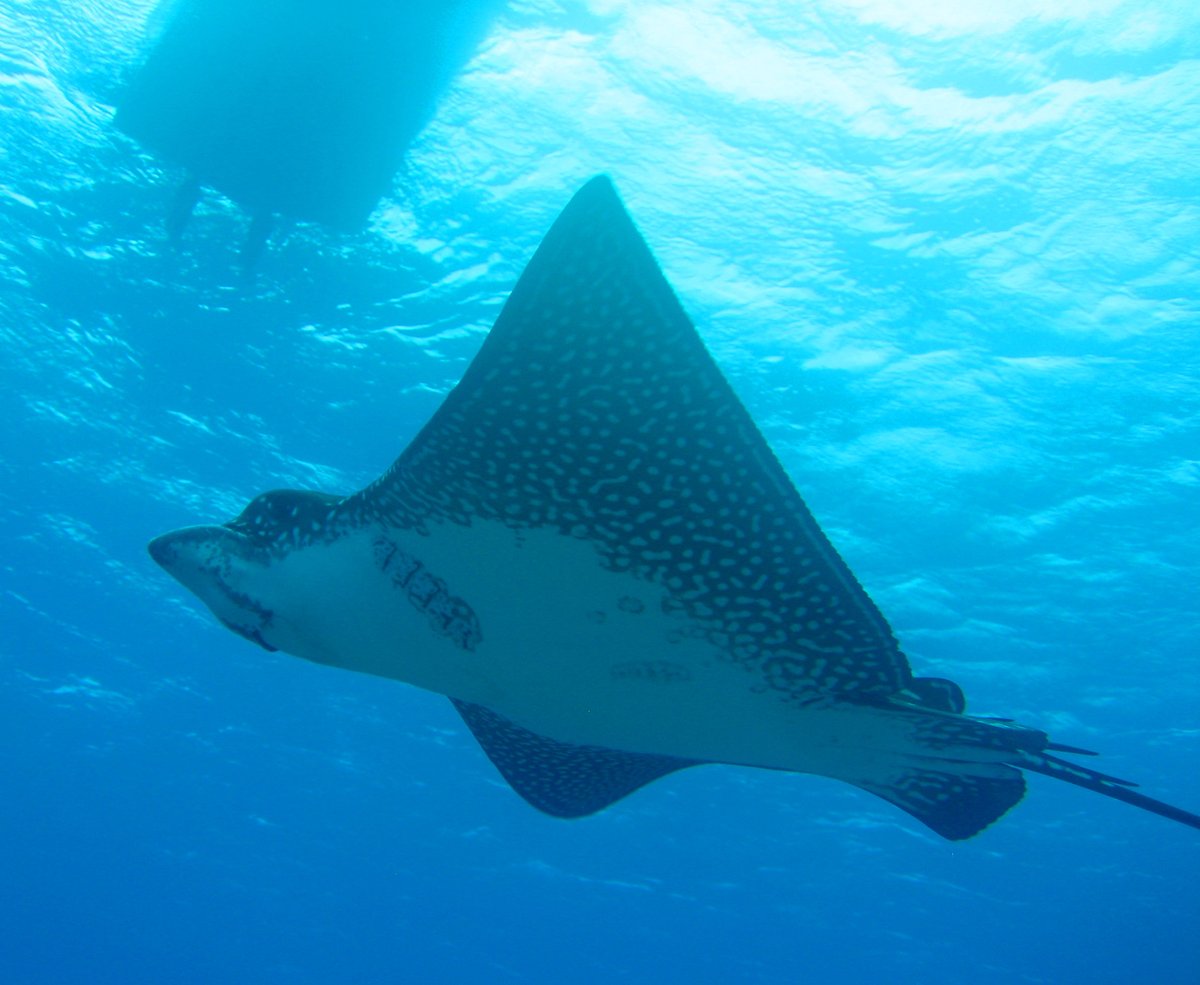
[(593, 552)]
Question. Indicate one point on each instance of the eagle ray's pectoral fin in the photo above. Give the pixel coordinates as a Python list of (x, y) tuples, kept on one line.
[(954, 804), (560, 778)]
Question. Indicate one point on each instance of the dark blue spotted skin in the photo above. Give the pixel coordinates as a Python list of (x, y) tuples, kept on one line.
[(281, 520), (954, 804), (561, 778), (593, 409)]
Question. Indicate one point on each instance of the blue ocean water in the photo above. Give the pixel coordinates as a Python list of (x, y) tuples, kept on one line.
[(948, 257)]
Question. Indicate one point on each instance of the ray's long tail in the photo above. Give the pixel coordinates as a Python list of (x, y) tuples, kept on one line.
[(1110, 786)]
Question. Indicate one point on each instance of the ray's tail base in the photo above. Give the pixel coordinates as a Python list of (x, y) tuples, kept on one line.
[(957, 794)]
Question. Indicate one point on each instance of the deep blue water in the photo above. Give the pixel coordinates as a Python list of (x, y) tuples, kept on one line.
[(949, 260)]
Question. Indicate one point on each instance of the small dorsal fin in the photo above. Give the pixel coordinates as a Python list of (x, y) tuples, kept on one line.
[(938, 694), (560, 778)]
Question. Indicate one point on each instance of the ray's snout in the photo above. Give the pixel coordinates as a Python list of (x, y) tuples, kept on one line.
[(194, 552), (162, 549), (213, 563)]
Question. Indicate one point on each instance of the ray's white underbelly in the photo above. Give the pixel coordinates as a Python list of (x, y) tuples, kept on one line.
[(567, 648)]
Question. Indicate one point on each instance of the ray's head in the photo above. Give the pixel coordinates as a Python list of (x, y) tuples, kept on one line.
[(228, 567)]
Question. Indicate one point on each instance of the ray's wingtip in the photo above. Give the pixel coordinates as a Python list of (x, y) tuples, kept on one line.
[(597, 188), (600, 180)]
